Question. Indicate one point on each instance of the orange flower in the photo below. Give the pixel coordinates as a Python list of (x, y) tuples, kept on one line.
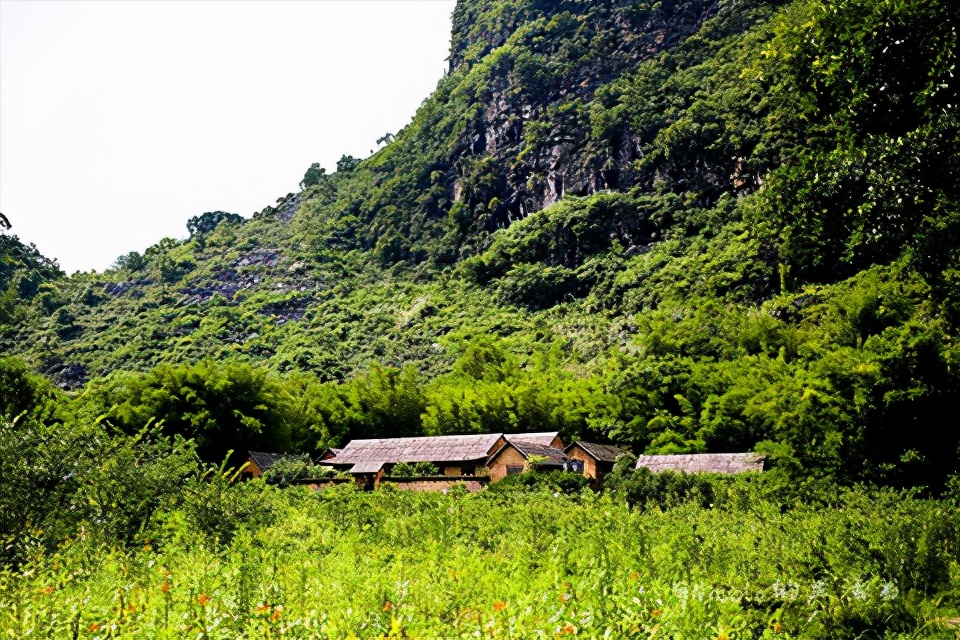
[(94, 627), (263, 607), (564, 597), (276, 613), (387, 606), (47, 590), (131, 608), (655, 613), (500, 605), (634, 576), (203, 599), (568, 630)]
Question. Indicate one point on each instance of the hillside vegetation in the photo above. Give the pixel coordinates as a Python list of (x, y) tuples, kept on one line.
[(679, 226), (683, 226)]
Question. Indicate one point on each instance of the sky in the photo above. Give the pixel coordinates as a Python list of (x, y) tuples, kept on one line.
[(120, 120)]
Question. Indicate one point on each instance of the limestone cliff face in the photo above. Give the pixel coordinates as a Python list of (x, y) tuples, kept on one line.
[(533, 135)]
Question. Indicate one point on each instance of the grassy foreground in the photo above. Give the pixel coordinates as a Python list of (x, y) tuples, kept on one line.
[(269, 563)]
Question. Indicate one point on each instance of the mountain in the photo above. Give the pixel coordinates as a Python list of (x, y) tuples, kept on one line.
[(679, 225)]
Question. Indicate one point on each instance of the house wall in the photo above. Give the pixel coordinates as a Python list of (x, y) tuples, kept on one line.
[(251, 470), (589, 464), (498, 468)]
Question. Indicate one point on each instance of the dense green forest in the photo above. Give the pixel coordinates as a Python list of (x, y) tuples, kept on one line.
[(679, 226)]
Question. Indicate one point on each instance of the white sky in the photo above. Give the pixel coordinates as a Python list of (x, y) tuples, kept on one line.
[(119, 120)]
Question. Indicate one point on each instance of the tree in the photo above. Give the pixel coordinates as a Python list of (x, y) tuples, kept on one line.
[(207, 222), (346, 164), (314, 176)]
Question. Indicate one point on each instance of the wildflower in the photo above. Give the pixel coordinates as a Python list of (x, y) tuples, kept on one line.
[(203, 599), (263, 607), (564, 597), (94, 627), (500, 605), (47, 590), (165, 587), (276, 613), (387, 606), (634, 576), (568, 630), (656, 613), (131, 608)]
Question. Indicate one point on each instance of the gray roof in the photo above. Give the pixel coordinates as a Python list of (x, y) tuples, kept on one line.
[(599, 452), (543, 438), (263, 460), (425, 449), (554, 455), (703, 462), (367, 467)]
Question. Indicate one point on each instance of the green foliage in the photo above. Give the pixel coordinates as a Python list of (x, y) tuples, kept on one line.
[(414, 469), (509, 564), (222, 408), (289, 469), (207, 222)]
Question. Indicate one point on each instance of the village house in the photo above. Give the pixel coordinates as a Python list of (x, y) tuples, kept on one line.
[(516, 453), (597, 459), (703, 462), (454, 456), (257, 463)]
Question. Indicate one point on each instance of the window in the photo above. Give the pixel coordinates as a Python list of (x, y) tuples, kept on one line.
[(513, 469)]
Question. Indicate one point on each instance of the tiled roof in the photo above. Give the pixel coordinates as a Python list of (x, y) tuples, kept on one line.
[(425, 449), (367, 467), (264, 460), (599, 452), (703, 462), (543, 438), (554, 455)]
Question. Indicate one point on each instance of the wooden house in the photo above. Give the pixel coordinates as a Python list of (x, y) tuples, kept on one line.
[(597, 459), (703, 462), (452, 455), (513, 457)]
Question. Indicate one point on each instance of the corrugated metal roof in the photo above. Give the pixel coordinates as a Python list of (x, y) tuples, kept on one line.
[(543, 438), (599, 452), (424, 449), (703, 462)]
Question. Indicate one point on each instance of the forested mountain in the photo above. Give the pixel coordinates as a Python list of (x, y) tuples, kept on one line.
[(683, 225)]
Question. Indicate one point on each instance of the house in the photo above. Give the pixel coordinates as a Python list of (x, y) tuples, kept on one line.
[(327, 454), (703, 462), (515, 453), (543, 438), (597, 459), (453, 455), (258, 462)]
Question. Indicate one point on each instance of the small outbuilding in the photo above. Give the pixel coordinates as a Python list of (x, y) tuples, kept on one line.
[(703, 462)]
